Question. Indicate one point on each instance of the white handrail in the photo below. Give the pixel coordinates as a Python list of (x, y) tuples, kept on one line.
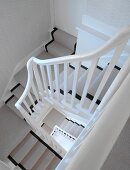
[(118, 39), (41, 86)]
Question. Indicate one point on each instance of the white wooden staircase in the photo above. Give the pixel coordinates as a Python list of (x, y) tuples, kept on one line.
[(32, 153), (64, 96)]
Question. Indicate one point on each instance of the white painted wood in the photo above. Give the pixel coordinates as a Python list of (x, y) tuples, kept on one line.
[(65, 80), (44, 78), (98, 145), (31, 99), (47, 79), (34, 90), (49, 74), (27, 106), (65, 139), (75, 80), (38, 79), (108, 71), (56, 71), (89, 77), (115, 85)]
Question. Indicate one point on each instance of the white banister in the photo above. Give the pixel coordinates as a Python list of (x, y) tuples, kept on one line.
[(38, 79), (31, 99), (27, 106), (34, 91), (65, 80), (49, 73), (44, 79), (56, 71), (88, 80), (108, 71), (43, 85), (116, 84), (76, 74)]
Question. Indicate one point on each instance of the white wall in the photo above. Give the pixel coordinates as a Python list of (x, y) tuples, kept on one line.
[(113, 12), (23, 27), (68, 13)]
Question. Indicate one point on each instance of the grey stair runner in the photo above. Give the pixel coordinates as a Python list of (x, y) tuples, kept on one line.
[(59, 50), (65, 39), (23, 148), (18, 91), (44, 160), (55, 161), (22, 75), (33, 154), (11, 105)]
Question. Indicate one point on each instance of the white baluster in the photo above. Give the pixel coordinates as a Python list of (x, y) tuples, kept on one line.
[(65, 80), (56, 70), (27, 106), (88, 81), (34, 91), (44, 79), (31, 99), (76, 73), (107, 73), (38, 80), (50, 80)]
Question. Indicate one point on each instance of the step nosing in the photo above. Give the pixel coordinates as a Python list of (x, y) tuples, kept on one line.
[(15, 87), (9, 99), (22, 167), (12, 160), (74, 122)]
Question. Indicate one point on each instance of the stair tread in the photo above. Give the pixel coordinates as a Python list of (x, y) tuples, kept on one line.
[(33, 155), (63, 124), (53, 118), (44, 55), (71, 128), (11, 105), (65, 39), (21, 76), (44, 160), (47, 128), (77, 131), (18, 91), (53, 164), (58, 50), (23, 148)]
